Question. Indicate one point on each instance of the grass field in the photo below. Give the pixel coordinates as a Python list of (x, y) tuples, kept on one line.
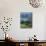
[(26, 25)]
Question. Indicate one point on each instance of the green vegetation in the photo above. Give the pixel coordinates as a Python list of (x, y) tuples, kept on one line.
[(26, 24)]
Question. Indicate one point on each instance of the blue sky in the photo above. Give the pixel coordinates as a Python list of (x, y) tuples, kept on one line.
[(26, 15)]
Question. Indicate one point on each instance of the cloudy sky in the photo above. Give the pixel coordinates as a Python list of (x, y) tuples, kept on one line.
[(26, 16)]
